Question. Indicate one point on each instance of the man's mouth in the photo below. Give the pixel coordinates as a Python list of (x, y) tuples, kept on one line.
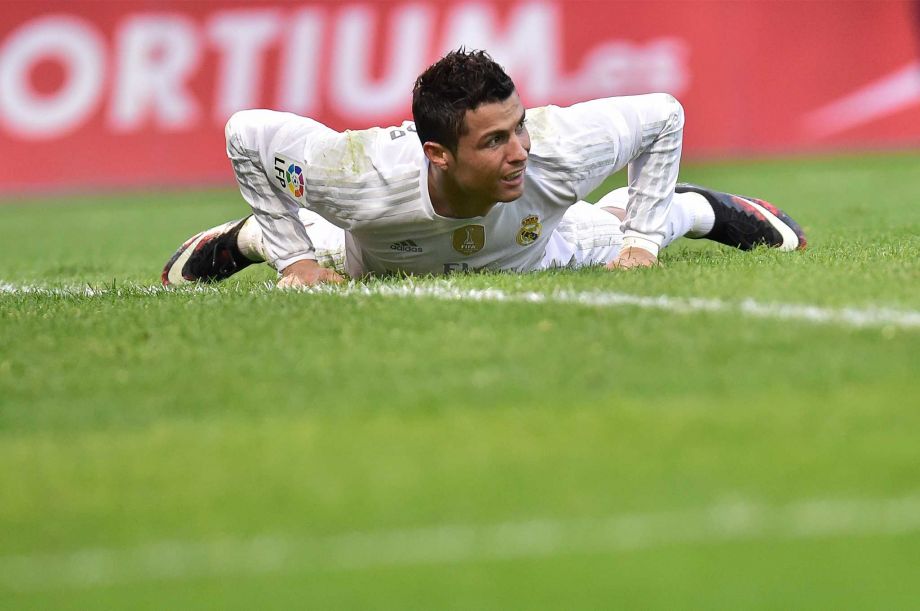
[(515, 176)]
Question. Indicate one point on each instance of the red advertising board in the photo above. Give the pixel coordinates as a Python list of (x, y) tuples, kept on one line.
[(117, 93)]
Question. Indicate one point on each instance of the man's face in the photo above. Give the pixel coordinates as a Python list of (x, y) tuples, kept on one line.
[(492, 154)]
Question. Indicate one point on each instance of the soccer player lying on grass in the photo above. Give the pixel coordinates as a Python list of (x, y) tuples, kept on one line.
[(474, 183)]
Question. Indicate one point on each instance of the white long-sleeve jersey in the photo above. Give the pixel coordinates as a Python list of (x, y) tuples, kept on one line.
[(373, 184)]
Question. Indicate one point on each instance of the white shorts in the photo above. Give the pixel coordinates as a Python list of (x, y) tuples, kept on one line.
[(587, 235)]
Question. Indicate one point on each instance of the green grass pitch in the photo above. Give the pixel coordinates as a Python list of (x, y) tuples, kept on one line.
[(242, 447)]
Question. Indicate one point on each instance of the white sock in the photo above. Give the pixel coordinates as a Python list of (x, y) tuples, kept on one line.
[(701, 214), (249, 240)]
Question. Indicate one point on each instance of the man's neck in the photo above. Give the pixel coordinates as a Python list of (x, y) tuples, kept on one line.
[(449, 201)]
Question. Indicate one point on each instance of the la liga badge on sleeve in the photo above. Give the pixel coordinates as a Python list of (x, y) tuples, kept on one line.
[(289, 176)]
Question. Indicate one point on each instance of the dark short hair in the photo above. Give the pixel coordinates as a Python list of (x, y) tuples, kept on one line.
[(460, 81)]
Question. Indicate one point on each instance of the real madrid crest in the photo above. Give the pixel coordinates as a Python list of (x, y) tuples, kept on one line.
[(469, 239), (530, 230)]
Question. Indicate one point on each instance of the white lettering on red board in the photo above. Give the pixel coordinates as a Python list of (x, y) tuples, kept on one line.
[(80, 51), (157, 54), (242, 39), (298, 87), (353, 90), (143, 76)]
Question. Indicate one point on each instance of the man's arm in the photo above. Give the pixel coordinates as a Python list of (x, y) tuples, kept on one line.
[(657, 121), (273, 191), (600, 137)]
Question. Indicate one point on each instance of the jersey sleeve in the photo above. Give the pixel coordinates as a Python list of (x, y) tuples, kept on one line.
[(586, 143), (266, 149), (351, 179)]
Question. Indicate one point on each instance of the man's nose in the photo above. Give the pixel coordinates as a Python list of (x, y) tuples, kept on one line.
[(520, 146)]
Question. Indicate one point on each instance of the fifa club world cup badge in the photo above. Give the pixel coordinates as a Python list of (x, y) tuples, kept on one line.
[(469, 239), (530, 230)]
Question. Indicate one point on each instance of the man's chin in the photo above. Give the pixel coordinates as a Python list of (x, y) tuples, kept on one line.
[(509, 195)]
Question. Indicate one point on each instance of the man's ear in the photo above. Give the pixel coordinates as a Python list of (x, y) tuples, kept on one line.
[(438, 155)]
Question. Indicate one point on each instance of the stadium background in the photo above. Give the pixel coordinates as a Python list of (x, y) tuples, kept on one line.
[(728, 430), (104, 94)]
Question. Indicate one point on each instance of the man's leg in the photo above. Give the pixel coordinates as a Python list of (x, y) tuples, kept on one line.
[(217, 253), (691, 214), (734, 220), (593, 234), (588, 235), (744, 222)]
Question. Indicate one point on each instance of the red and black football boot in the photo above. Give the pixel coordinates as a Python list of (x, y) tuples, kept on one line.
[(746, 222), (210, 256)]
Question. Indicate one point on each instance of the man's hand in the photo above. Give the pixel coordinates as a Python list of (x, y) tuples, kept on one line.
[(307, 273), (631, 257)]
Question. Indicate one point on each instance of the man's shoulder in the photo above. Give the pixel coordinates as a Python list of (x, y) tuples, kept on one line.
[(373, 157), (403, 134), (384, 149), (571, 136), (394, 145)]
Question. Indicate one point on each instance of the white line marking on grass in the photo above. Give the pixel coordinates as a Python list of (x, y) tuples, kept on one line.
[(851, 317), (83, 290), (447, 291), (737, 521)]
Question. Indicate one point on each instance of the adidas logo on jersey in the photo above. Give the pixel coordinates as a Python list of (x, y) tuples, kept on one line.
[(406, 246)]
